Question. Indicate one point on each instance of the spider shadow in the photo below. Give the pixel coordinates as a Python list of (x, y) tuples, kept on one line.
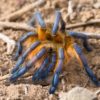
[(27, 81)]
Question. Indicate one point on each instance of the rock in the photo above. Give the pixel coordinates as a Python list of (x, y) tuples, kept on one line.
[(97, 5), (98, 93), (78, 93), (96, 60), (63, 96), (23, 92), (83, 2), (52, 97), (99, 97), (98, 74)]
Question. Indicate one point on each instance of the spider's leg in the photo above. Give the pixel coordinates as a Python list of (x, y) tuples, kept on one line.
[(22, 58), (19, 44), (83, 37), (85, 64), (39, 19), (49, 67), (24, 69), (37, 16), (38, 73), (31, 22), (58, 69), (56, 23), (63, 24), (41, 29)]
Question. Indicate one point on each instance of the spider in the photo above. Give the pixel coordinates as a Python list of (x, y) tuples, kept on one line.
[(53, 44)]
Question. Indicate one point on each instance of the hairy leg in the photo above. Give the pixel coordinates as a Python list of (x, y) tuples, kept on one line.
[(21, 40), (85, 64), (57, 72), (24, 55), (24, 69)]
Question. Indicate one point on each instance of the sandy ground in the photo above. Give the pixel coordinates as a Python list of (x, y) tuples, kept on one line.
[(74, 74)]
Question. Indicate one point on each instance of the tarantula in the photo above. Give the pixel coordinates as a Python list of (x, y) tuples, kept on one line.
[(55, 46)]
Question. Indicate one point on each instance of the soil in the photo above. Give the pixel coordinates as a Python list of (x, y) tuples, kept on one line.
[(73, 74)]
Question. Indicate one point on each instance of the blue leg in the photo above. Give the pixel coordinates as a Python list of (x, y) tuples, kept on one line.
[(37, 16), (40, 20), (24, 69), (22, 58), (63, 25), (19, 44), (55, 80), (56, 23), (40, 71), (31, 22), (85, 64), (83, 37), (49, 67)]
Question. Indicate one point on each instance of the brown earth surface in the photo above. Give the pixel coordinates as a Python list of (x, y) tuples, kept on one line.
[(73, 74)]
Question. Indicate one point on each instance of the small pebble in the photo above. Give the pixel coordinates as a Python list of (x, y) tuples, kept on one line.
[(78, 93), (97, 5)]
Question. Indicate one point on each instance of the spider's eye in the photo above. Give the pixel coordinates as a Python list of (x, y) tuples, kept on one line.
[(50, 50)]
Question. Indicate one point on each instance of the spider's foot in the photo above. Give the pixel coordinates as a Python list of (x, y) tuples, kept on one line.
[(55, 82), (58, 69), (17, 74)]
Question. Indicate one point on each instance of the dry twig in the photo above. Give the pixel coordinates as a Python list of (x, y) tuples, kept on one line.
[(4, 77), (95, 21), (10, 43), (70, 9), (15, 25), (23, 10), (97, 92)]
